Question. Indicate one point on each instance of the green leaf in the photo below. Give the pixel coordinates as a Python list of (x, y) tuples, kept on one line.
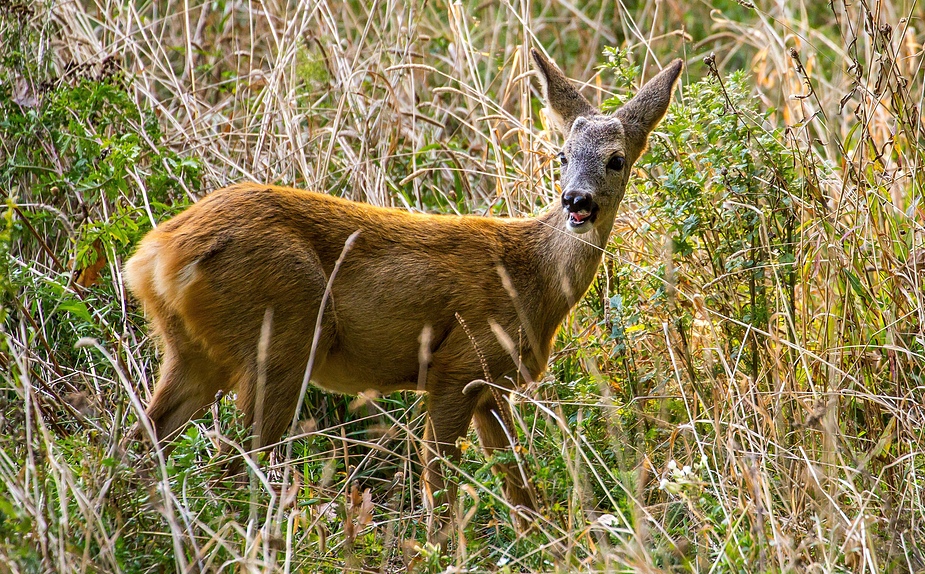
[(857, 286), (78, 308)]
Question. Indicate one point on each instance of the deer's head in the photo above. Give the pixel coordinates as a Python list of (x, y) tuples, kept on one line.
[(599, 148)]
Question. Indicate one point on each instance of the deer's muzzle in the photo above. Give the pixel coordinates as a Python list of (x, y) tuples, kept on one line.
[(580, 209)]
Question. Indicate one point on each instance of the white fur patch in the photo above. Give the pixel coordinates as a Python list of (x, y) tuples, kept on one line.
[(171, 287), (187, 275)]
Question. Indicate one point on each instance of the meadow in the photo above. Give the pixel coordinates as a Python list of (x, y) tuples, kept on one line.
[(742, 389)]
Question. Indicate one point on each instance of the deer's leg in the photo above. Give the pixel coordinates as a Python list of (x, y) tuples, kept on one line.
[(449, 416), (189, 381), (272, 334), (269, 408), (490, 417), (269, 403)]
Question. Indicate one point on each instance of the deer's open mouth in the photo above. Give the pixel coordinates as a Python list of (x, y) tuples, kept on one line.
[(581, 220)]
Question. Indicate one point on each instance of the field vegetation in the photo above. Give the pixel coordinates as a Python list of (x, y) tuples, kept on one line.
[(741, 390)]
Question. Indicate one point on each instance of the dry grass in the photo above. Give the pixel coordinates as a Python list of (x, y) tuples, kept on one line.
[(704, 436)]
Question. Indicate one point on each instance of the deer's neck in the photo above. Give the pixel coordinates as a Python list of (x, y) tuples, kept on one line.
[(550, 269), (569, 261)]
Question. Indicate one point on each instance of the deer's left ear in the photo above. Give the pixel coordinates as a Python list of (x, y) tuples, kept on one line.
[(648, 106), (564, 103)]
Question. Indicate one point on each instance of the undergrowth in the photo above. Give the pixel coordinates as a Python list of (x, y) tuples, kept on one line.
[(741, 390)]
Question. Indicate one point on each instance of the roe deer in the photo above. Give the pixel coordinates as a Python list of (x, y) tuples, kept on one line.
[(425, 302)]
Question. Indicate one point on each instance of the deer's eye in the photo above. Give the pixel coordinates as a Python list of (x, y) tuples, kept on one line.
[(616, 163), (561, 157)]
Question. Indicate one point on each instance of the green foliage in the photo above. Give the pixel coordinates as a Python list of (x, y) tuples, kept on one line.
[(90, 144), (724, 200), (84, 170)]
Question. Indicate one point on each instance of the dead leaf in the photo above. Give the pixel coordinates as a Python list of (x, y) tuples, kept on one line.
[(90, 274)]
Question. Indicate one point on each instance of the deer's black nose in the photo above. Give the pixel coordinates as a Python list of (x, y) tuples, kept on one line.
[(575, 200)]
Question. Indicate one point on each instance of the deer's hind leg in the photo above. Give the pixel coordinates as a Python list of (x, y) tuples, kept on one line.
[(189, 381), (268, 392), (269, 404)]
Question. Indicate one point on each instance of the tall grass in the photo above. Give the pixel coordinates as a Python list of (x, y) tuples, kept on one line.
[(741, 390)]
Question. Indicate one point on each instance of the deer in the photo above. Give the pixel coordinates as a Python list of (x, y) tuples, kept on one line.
[(255, 283)]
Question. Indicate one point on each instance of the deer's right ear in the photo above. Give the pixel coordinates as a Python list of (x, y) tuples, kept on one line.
[(563, 102)]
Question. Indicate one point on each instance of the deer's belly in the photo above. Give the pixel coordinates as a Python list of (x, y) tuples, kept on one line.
[(344, 372)]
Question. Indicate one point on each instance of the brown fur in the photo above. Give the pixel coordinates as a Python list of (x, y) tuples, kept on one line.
[(486, 293)]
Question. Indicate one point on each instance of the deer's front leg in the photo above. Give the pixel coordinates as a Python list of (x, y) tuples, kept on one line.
[(449, 415), (491, 423)]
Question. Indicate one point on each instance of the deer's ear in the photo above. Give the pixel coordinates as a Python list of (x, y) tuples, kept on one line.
[(563, 102), (648, 106)]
